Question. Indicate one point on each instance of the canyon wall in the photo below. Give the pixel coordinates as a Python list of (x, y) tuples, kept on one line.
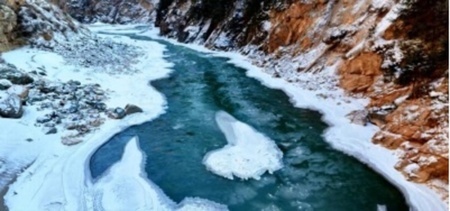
[(393, 52)]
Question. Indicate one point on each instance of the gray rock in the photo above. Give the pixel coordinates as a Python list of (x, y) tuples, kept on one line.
[(50, 130), (20, 79), (5, 84), (11, 107), (75, 83), (131, 109), (359, 117), (43, 119), (100, 106), (117, 113)]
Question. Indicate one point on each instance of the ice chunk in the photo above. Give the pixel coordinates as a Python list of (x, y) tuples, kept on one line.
[(248, 154)]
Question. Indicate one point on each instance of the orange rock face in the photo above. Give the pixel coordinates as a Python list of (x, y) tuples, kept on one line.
[(359, 73)]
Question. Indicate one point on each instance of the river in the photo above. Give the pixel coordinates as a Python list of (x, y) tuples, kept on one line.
[(314, 176)]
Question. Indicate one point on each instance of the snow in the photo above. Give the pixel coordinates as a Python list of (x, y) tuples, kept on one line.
[(401, 99), (381, 4), (266, 25), (387, 20), (351, 139), (248, 154)]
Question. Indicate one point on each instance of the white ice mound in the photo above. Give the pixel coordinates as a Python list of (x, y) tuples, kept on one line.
[(248, 154), (126, 187)]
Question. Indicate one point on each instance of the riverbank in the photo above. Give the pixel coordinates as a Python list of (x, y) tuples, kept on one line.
[(59, 176), (320, 91)]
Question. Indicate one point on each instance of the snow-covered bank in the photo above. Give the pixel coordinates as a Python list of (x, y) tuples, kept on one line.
[(59, 177), (127, 178), (318, 91), (248, 154)]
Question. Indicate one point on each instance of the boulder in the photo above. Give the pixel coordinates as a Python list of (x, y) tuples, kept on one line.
[(19, 90), (117, 113), (5, 84), (15, 76), (131, 109), (50, 130), (20, 78), (11, 107), (69, 141), (358, 117)]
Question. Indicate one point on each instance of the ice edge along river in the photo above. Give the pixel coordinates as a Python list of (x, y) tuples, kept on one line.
[(59, 177)]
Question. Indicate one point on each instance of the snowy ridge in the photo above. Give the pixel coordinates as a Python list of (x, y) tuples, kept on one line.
[(248, 154)]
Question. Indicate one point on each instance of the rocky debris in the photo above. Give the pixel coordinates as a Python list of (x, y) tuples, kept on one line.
[(11, 107), (100, 54), (74, 106), (131, 109), (358, 117)]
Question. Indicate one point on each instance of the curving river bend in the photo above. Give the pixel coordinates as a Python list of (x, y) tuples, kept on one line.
[(314, 176)]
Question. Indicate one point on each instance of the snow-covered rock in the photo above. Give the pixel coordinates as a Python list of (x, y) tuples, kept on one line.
[(11, 107)]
